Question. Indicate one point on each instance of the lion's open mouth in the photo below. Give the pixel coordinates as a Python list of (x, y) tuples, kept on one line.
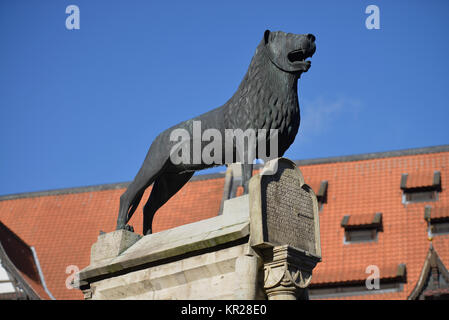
[(299, 55)]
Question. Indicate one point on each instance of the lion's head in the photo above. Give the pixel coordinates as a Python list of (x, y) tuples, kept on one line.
[(289, 51)]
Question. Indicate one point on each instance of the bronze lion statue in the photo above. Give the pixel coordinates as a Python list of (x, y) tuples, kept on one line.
[(267, 98)]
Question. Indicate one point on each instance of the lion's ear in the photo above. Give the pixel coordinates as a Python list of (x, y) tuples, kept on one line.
[(266, 35)]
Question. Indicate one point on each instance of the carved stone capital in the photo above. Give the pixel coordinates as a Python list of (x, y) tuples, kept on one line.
[(287, 272)]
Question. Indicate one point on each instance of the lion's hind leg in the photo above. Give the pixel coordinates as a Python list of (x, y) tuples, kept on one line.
[(165, 186), (130, 199)]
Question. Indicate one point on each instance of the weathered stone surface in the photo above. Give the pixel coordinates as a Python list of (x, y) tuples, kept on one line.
[(231, 226), (249, 278), (228, 273), (110, 245), (283, 209), (208, 276), (237, 206)]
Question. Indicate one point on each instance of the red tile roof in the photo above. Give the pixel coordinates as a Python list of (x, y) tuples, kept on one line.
[(354, 275), (20, 261), (439, 212), (373, 185), (315, 185), (360, 219), (423, 178), (63, 226)]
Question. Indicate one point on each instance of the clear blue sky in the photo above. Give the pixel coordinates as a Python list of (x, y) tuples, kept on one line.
[(81, 107)]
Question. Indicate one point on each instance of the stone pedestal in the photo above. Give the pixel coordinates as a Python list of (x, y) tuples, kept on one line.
[(111, 245), (263, 246)]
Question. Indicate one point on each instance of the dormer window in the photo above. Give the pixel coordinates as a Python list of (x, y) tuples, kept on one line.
[(437, 219), (320, 189), (361, 228), (420, 187)]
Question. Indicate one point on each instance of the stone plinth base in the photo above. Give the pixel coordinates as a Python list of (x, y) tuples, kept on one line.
[(221, 257), (209, 259)]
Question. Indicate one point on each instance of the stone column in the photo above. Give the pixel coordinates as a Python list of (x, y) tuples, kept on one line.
[(246, 269)]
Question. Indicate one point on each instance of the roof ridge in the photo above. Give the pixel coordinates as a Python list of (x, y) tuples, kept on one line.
[(200, 177), (375, 155), (98, 187)]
